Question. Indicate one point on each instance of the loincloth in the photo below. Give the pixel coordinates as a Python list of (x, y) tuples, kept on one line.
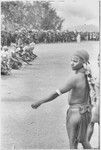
[(79, 116)]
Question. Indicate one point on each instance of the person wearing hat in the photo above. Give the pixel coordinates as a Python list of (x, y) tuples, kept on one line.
[(79, 112)]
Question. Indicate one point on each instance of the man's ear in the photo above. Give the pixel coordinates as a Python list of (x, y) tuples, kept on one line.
[(82, 61)]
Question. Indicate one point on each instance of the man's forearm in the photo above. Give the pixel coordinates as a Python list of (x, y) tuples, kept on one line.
[(50, 98)]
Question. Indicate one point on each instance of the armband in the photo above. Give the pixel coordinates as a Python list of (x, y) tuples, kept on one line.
[(58, 92)]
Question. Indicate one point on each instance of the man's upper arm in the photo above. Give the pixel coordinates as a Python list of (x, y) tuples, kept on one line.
[(69, 85)]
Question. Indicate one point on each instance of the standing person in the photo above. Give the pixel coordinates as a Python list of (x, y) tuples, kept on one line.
[(79, 112), (95, 110), (78, 38)]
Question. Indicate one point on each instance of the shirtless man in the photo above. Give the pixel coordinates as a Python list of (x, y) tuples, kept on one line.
[(79, 112), (95, 110)]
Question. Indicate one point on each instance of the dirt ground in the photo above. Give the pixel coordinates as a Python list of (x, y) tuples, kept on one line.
[(44, 128)]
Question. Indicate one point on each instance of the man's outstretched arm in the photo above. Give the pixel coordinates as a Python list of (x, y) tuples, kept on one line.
[(70, 84), (48, 99)]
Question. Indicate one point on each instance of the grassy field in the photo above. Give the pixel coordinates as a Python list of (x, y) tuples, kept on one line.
[(43, 128)]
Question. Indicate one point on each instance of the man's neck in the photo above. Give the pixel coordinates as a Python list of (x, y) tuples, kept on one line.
[(81, 70)]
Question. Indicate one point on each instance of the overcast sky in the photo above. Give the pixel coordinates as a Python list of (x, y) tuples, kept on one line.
[(76, 12)]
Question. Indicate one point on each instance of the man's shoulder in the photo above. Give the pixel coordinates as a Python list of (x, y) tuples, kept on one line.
[(78, 77), (73, 77)]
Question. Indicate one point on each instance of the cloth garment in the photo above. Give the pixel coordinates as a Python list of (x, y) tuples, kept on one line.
[(83, 54), (77, 120)]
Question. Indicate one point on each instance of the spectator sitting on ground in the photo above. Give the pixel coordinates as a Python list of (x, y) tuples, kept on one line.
[(32, 46), (5, 61)]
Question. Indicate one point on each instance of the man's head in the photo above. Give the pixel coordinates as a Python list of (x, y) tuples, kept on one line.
[(78, 59)]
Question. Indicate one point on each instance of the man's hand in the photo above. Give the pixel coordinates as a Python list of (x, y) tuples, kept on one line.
[(36, 105), (50, 98)]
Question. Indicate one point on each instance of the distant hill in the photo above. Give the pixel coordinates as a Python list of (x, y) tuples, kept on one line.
[(85, 28)]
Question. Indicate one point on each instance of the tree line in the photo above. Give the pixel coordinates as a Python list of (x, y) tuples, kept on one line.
[(35, 22), (38, 15)]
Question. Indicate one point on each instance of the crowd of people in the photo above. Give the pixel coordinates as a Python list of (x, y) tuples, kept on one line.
[(46, 36), (17, 47), (13, 56)]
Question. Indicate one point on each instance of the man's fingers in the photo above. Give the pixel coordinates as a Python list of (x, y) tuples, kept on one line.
[(34, 106)]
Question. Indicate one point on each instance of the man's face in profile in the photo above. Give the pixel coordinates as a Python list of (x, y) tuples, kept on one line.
[(76, 63)]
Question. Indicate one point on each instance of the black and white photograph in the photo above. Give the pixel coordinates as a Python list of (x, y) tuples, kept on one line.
[(50, 74)]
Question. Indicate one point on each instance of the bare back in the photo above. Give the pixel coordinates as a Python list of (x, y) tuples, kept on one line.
[(79, 94)]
